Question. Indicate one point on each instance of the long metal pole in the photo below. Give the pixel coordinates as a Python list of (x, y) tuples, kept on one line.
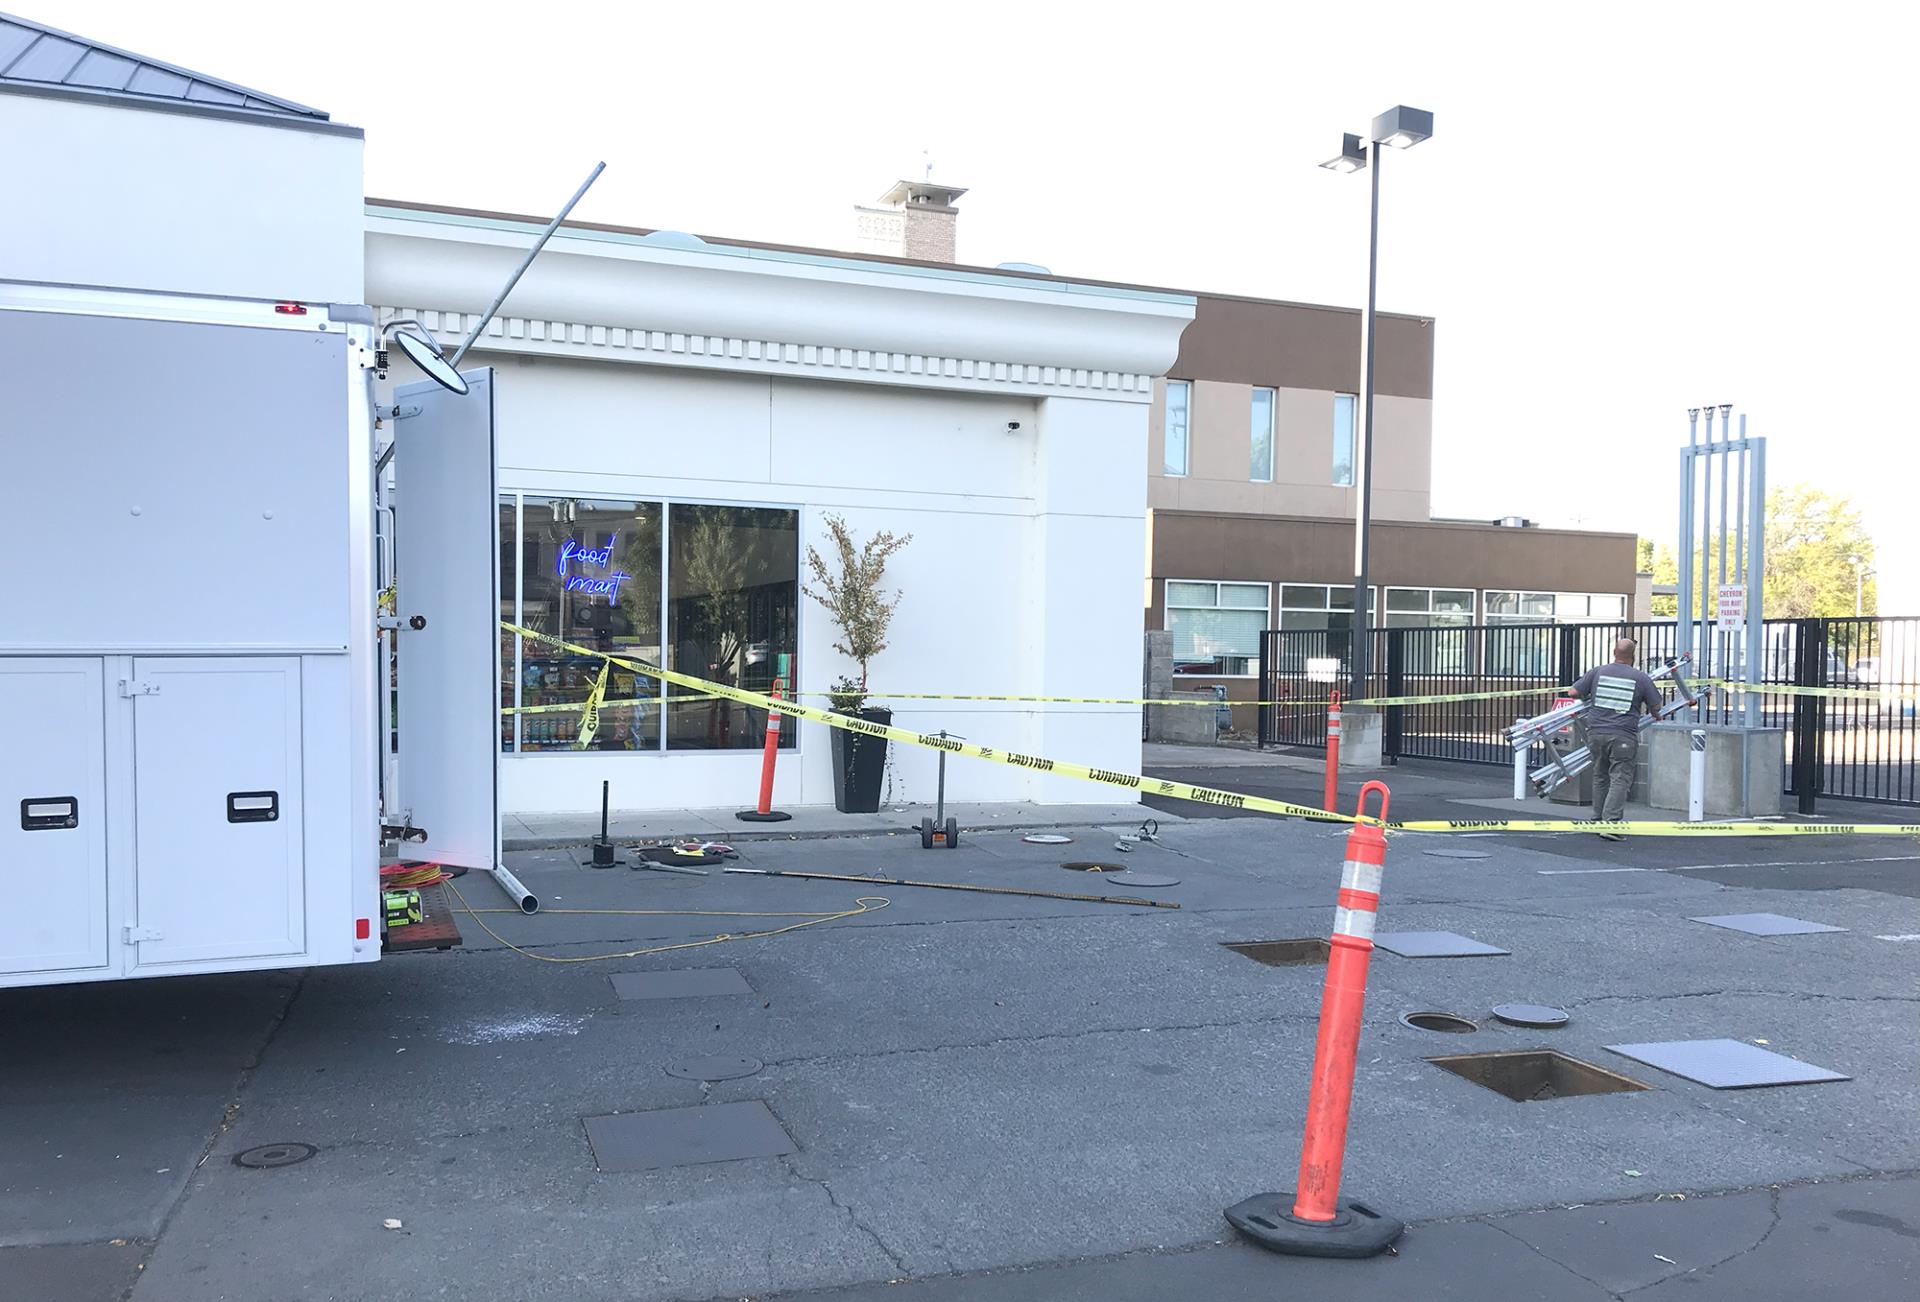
[(1132, 900), (1363, 463), (1683, 544), (1756, 573), (1723, 642), (526, 262), (1740, 558), (1704, 597)]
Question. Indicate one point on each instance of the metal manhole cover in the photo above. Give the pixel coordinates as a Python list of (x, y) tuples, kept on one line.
[(1131, 878), (1086, 866), (1046, 838), (1542, 1016), (711, 1069), (267, 1156)]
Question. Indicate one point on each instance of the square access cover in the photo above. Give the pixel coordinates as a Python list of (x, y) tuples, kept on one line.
[(1765, 924), (1725, 1064), (714, 1132), (1433, 944)]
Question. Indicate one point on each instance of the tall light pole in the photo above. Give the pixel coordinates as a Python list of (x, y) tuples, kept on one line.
[(1399, 127)]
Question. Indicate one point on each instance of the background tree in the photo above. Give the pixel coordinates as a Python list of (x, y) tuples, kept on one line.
[(1817, 549)]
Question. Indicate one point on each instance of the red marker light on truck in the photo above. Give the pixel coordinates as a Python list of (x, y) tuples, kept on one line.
[(290, 309), (362, 928)]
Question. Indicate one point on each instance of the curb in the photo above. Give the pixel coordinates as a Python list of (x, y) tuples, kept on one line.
[(508, 844)]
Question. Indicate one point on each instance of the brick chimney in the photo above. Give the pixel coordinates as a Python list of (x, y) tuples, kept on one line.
[(918, 220)]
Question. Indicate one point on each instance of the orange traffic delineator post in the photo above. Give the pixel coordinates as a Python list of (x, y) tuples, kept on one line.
[(764, 812), (1330, 801), (1315, 1221)]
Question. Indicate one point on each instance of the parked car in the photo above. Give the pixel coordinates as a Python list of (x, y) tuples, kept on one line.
[(1866, 670)]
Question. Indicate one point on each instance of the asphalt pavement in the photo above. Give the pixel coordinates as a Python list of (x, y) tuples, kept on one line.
[(1000, 1097)]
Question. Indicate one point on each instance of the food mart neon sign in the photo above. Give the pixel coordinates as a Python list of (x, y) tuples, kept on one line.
[(608, 587)]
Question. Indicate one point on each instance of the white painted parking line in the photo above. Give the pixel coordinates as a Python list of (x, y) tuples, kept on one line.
[(1708, 867), (1908, 935)]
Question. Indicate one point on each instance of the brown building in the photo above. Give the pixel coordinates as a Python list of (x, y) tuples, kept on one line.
[(1251, 500)]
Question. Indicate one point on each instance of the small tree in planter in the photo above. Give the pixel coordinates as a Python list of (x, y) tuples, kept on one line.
[(849, 588)]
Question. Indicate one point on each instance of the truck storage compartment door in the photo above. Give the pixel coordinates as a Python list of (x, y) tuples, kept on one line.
[(219, 864), (53, 818), (447, 574)]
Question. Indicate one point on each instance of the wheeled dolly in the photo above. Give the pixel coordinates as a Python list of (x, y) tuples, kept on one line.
[(940, 830)]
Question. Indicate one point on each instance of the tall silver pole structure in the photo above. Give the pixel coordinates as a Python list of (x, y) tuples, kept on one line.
[(1723, 645), (1399, 127), (1705, 596), (1683, 545), (1363, 434), (1756, 572)]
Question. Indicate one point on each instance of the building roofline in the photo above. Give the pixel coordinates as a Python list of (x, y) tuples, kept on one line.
[(802, 250), (1530, 531)]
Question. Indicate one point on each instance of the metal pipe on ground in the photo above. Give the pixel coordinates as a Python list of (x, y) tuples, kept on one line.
[(524, 900), (957, 886)]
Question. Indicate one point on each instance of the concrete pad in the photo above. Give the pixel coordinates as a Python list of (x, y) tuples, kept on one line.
[(1619, 1246), (719, 1132), (1451, 1263), (1848, 1239)]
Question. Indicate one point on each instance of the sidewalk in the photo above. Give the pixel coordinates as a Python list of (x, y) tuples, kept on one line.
[(1842, 1238), (557, 831)]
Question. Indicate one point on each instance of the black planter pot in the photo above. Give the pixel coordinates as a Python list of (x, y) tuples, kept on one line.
[(859, 766)]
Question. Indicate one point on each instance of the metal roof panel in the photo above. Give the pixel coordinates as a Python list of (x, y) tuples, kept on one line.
[(32, 54), (107, 71)]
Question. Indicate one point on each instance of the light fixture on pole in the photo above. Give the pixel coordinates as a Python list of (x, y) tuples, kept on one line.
[(1399, 127)]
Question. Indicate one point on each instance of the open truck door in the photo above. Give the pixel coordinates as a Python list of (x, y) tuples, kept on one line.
[(446, 602)]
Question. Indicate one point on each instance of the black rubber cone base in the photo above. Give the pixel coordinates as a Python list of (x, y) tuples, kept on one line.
[(755, 816), (1356, 1230)]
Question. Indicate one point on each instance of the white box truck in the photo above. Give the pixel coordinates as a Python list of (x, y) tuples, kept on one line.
[(190, 752)]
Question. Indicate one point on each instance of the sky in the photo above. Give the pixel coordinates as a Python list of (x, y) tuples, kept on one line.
[(1625, 210)]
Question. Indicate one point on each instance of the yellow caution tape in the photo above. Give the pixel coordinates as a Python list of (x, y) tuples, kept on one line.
[(1889, 693), (590, 715), (1207, 795), (1658, 828), (952, 745)]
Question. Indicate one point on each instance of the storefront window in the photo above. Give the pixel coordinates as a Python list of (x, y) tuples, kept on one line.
[(731, 615), (588, 571), (585, 570)]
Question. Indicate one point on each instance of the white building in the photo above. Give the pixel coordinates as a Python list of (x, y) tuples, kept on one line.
[(670, 407)]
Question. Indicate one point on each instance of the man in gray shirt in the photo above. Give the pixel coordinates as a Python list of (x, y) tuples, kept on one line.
[(1616, 691)]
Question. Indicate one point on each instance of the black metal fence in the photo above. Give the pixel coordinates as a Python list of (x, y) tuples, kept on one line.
[(1864, 746)]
